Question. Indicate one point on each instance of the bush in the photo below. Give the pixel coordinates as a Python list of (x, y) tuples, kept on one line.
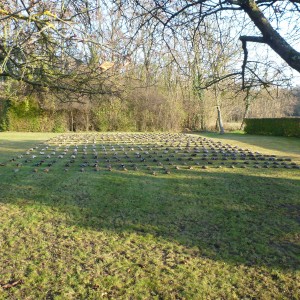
[(22, 115), (26, 115), (4, 108), (60, 124), (113, 116), (273, 126)]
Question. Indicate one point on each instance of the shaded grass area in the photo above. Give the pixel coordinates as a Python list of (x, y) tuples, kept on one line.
[(197, 234)]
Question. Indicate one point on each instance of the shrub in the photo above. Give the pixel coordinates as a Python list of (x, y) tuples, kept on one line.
[(60, 124), (4, 108), (113, 116), (273, 126), (24, 116)]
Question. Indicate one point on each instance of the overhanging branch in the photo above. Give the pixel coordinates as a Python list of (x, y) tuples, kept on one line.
[(254, 39), (270, 36), (214, 81), (244, 39)]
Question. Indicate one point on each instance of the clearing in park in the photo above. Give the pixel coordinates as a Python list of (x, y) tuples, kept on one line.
[(149, 216)]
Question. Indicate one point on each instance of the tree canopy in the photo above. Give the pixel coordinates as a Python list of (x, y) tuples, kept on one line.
[(270, 22), (51, 44), (63, 44), (146, 64)]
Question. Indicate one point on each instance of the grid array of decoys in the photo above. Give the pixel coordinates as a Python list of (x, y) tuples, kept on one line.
[(151, 152)]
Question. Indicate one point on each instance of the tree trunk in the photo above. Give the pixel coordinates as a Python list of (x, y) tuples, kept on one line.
[(247, 100), (220, 121), (87, 124), (245, 115), (202, 122), (218, 102), (269, 35), (72, 120)]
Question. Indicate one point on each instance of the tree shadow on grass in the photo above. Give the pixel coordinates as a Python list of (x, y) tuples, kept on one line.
[(231, 217)]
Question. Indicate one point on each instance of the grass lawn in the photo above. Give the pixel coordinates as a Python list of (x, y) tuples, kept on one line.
[(217, 233)]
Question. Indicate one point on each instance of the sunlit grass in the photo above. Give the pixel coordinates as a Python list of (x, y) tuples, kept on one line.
[(282, 146), (193, 234)]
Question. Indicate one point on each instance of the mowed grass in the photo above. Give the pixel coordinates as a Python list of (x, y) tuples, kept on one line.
[(281, 146), (192, 234)]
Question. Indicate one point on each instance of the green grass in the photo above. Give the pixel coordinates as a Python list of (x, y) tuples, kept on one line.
[(282, 146), (193, 234)]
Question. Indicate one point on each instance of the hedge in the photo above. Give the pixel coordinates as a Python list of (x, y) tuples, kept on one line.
[(27, 116), (273, 126)]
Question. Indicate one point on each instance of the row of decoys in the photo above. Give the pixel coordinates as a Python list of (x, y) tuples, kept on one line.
[(150, 151)]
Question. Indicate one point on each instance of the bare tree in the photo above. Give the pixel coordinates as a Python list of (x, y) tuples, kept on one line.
[(264, 18), (50, 45)]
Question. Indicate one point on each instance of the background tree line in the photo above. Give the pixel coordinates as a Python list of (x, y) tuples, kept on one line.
[(152, 109), (100, 65)]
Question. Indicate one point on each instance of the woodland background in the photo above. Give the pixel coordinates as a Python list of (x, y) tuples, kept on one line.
[(108, 66)]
